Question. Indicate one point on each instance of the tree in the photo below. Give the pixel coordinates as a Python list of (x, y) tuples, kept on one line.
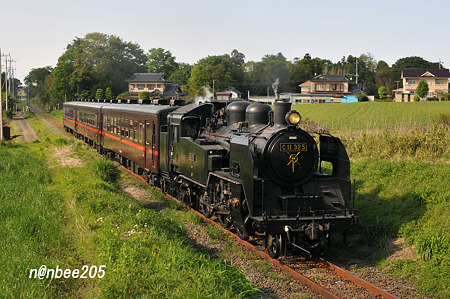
[(362, 97), (225, 70), (108, 93), (382, 93), (414, 62), (261, 76), (181, 75), (144, 95), (386, 76), (300, 71), (422, 88), (161, 61), (99, 94), (96, 61), (35, 80)]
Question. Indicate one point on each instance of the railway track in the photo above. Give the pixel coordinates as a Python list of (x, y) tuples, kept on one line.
[(333, 281), (46, 116), (325, 278)]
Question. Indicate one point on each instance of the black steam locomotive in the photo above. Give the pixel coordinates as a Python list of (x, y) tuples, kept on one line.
[(248, 165)]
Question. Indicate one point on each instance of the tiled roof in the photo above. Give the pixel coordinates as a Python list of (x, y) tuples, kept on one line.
[(173, 90), (149, 77), (307, 83), (442, 73), (232, 89), (331, 78)]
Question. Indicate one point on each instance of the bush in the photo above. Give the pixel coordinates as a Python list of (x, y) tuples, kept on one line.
[(384, 100), (99, 94), (416, 98), (447, 96), (382, 92), (107, 170), (144, 95), (362, 97), (8, 114), (433, 99)]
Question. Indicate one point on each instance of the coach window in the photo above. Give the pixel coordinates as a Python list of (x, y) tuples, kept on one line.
[(105, 123), (136, 130), (122, 132), (132, 136), (130, 125), (126, 127), (141, 133), (147, 133)]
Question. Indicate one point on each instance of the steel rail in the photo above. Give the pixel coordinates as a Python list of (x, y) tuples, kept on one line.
[(357, 280)]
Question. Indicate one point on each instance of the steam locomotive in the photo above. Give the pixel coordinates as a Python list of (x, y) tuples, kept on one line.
[(251, 167)]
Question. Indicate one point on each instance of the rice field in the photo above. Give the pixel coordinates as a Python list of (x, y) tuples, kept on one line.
[(372, 116)]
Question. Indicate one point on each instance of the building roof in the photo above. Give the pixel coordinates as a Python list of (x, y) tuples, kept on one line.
[(354, 88), (307, 83), (149, 77), (173, 90), (441, 73), (231, 89), (330, 78)]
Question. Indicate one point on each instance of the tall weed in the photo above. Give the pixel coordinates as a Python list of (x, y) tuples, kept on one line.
[(107, 170), (424, 143)]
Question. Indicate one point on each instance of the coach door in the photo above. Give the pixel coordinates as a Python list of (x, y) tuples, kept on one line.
[(99, 129), (152, 149)]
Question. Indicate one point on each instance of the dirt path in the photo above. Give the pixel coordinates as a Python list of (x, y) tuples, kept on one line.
[(27, 131)]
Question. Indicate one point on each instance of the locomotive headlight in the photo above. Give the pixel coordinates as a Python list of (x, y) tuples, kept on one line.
[(293, 118)]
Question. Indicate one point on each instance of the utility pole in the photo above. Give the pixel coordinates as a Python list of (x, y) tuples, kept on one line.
[(356, 71), (6, 81)]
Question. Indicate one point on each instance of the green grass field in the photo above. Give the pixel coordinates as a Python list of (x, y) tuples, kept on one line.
[(400, 154), (71, 216), (370, 116)]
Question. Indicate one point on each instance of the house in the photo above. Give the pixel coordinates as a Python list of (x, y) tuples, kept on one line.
[(437, 80), (229, 94), (156, 84), (326, 89)]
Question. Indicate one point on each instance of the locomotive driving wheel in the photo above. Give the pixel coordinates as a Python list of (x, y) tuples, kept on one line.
[(241, 234), (224, 220), (204, 206), (273, 245)]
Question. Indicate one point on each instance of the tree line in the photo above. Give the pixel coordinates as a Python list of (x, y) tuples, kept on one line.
[(99, 64)]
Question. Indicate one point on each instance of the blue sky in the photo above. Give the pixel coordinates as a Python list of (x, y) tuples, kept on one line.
[(36, 33)]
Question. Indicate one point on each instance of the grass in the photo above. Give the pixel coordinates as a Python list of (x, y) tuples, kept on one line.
[(371, 116), (30, 231), (399, 154), (74, 216), (400, 161)]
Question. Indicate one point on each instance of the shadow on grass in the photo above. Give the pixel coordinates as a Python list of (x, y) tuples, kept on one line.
[(381, 220)]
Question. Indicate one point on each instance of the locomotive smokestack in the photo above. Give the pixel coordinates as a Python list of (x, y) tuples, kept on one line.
[(280, 110)]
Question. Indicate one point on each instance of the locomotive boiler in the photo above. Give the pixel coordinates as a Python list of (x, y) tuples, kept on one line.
[(251, 167)]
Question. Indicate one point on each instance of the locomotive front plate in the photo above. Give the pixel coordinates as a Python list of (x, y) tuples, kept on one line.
[(293, 147)]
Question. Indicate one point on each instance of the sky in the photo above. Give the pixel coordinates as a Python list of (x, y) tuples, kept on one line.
[(36, 33)]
